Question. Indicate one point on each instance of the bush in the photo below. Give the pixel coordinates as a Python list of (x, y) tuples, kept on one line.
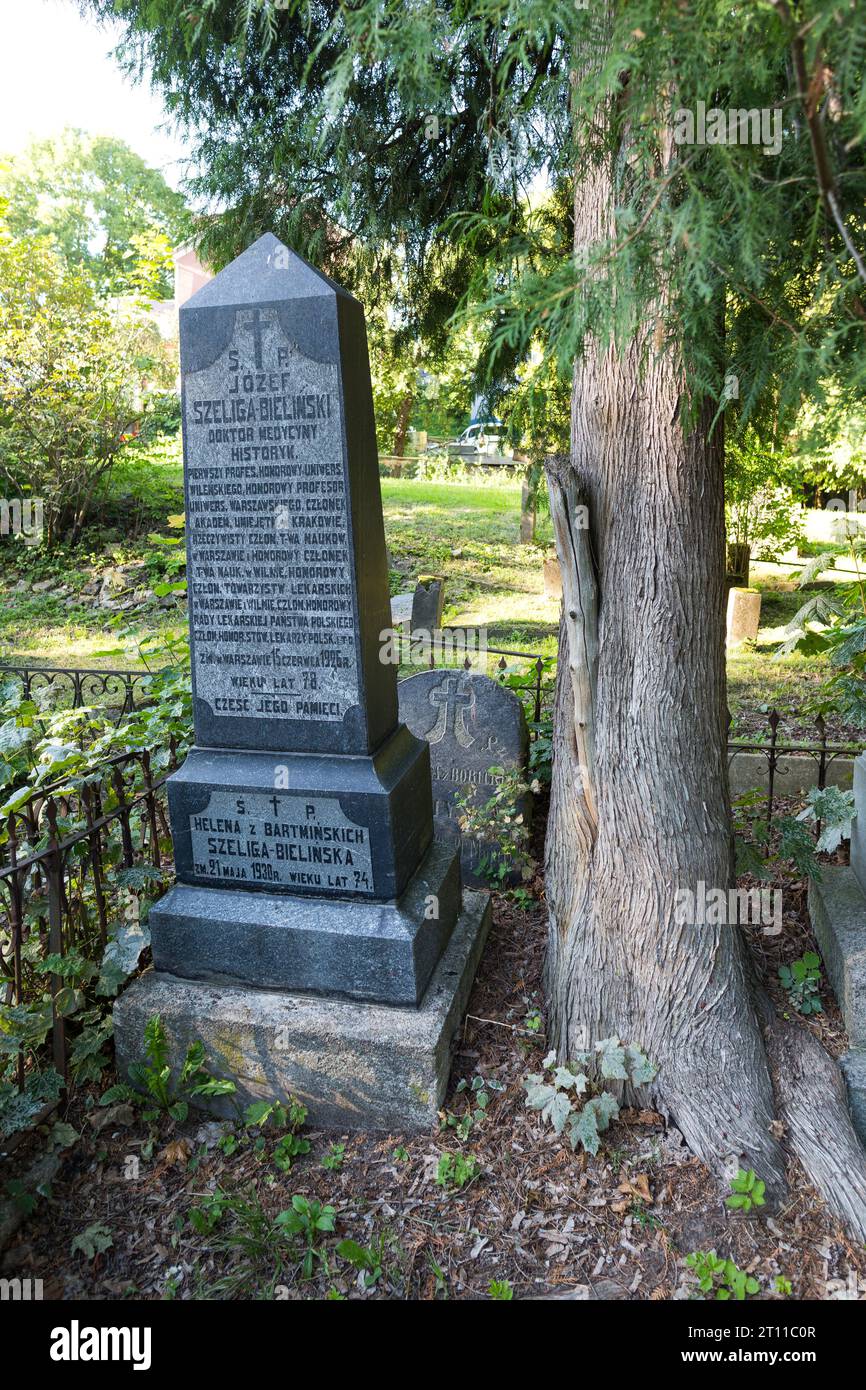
[(72, 375)]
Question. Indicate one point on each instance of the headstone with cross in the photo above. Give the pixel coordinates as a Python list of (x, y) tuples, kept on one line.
[(302, 818), (477, 733)]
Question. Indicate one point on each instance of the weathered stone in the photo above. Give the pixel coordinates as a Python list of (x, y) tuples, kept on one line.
[(743, 616), (793, 776), (472, 724), (858, 827), (853, 1066), (401, 609), (837, 908), (355, 1066), (428, 603)]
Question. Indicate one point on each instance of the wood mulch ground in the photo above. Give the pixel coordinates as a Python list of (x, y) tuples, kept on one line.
[(550, 1222)]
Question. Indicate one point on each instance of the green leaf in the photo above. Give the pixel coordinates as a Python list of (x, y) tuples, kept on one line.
[(583, 1129), (356, 1254), (612, 1059)]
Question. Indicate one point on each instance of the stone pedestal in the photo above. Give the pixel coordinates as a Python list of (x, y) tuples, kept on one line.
[(355, 1066), (858, 826), (363, 950), (837, 908)]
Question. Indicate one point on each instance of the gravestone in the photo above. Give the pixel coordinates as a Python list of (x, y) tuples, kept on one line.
[(302, 817), (471, 724), (428, 604)]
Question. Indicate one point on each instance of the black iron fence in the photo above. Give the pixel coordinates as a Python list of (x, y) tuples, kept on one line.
[(76, 688), (779, 752), (67, 854)]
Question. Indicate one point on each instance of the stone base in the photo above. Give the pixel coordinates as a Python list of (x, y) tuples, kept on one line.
[(837, 908), (221, 801), (853, 1066), (354, 1065), (358, 950)]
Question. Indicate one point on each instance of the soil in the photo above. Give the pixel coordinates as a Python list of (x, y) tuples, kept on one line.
[(550, 1222)]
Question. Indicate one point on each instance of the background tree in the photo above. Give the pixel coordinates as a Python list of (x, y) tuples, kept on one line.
[(346, 128), (104, 208), (71, 382)]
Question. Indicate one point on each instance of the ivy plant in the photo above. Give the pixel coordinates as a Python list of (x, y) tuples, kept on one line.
[(570, 1101)]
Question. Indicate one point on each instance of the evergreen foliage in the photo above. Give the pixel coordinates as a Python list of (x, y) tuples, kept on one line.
[(409, 141)]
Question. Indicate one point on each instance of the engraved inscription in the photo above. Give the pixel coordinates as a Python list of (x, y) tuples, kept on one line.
[(289, 841), (271, 583)]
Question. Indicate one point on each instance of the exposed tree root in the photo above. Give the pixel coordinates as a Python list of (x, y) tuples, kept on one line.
[(812, 1104)]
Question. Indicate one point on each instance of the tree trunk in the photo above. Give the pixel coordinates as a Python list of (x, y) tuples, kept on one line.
[(403, 424), (639, 804)]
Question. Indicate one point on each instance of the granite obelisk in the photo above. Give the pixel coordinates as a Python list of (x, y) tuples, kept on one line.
[(302, 818)]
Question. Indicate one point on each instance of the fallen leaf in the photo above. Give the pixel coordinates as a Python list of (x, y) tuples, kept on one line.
[(639, 1188), (122, 1114), (175, 1154)]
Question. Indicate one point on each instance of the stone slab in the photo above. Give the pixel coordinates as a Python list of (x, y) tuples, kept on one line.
[(837, 908), (355, 1066), (853, 1066), (795, 776), (858, 826), (358, 950)]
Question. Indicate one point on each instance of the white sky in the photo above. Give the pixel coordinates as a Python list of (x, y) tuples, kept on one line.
[(56, 71)]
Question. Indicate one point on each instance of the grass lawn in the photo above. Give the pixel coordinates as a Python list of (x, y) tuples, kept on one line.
[(466, 532)]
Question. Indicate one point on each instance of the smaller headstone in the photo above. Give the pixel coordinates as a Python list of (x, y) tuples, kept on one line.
[(744, 615), (428, 605), (401, 609), (472, 724)]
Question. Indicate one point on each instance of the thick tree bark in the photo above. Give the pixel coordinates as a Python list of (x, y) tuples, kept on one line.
[(639, 805)]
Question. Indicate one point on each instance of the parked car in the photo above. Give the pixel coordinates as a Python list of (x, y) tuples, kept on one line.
[(482, 440)]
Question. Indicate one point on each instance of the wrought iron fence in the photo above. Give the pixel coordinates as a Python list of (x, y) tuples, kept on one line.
[(822, 754), (61, 851), (75, 688)]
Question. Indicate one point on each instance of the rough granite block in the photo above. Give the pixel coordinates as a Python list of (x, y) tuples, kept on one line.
[(837, 908), (354, 1065), (853, 1066)]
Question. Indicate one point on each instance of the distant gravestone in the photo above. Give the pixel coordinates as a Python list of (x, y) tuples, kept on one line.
[(428, 603), (472, 724)]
